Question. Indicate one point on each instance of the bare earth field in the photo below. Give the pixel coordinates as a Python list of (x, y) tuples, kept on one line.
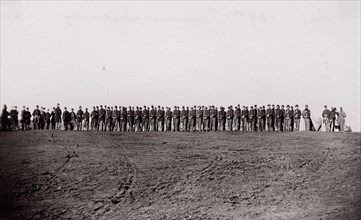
[(90, 175)]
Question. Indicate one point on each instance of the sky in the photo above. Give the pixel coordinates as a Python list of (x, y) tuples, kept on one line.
[(182, 53)]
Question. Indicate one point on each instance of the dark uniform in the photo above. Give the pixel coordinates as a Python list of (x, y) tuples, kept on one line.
[(244, 116), (306, 114), (94, 119), (153, 119), (47, 119), (36, 115), (79, 118), (116, 119), (237, 118), (192, 115), (5, 124), (14, 114), (199, 117), (269, 118), (261, 118), (123, 119), (213, 113), (58, 117), (229, 116), (130, 119), (278, 116), (326, 119), (52, 119), (296, 118), (72, 120), (66, 119), (288, 117), (86, 117), (252, 118), (184, 119), (168, 119), (145, 119), (206, 119), (160, 119), (176, 119), (101, 122), (221, 119)]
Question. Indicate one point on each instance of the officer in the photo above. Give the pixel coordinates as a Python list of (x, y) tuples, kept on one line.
[(36, 115), (86, 117), (176, 118), (79, 118), (287, 117), (213, 113), (199, 118), (278, 116), (244, 117), (94, 118), (116, 119), (306, 114), (296, 118), (58, 117), (47, 119), (269, 118), (252, 119), (184, 119), (101, 122), (261, 118), (229, 116), (123, 119), (341, 119), (206, 119), (326, 119)]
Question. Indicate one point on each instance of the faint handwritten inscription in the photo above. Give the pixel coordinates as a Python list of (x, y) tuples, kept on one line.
[(255, 18)]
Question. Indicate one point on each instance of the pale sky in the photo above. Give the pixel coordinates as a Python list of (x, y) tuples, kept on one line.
[(181, 53)]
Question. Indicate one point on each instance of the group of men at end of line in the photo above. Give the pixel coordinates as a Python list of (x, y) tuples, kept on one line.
[(136, 119)]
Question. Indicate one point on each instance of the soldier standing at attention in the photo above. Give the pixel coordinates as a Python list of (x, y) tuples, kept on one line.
[(123, 119), (283, 126), (58, 117), (116, 119), (137, 115), (213, 113), (297, 117), (244, 117), (23, 120), (42, 118), (199, 117), (206, 119), (101, 122), (159, 119), (306, 114), (221, 119), (341, 119), (66, 118), (5, 125), (192, 119), (252, 119), (27, 118), (278, 116), (152, 117), (176, 118), (255, 118), (14, 114), (79, 118), (237, 118), (229, 116), (184, 119), (163, 118), (287, 117), (332, 119), (52, 119), (94, 119), (72, 120), (47, 119), (86, 117), (269, 118), (145, 119), (292, 119), (36, 115), (274, 118), (326, 118), (168, 120), (261, 117), (130, 119)]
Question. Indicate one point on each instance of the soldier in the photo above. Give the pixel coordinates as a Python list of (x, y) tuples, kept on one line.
[(163, 118), (52, 119), (252, 119), (206, 119), (109, 119), (159, 119), (199, 117), (332, 119), (296, 118), (58, 117), (116, 119), (5, 124), (269, 118), (152, 118), (278, 116), (221, 119), (168, 119), (86, 117), (94, 118), (261, 118), (101, 122), (137, 119), (176, 118), (72, 120), (184, 119), (213, 113), (229, 116), (256, 110), (326, 118), (192, 119), (47, 119), (27, 118), (124, 119), (42, 118), (36, 120), (287, 117), (14, 114), (79, 118), (283, 127), (244, 117), (341, 119), (274, 118), (306, 114), (237, 118), (292, 119), (145, 119), (23, 120)]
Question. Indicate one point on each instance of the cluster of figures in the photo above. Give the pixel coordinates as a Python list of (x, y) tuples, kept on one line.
[(273, 118)]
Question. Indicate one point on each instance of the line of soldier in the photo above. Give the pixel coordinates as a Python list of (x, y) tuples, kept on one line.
[(273, 118)]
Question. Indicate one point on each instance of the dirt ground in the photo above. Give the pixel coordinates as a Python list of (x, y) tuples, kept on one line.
[(86, 175)]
